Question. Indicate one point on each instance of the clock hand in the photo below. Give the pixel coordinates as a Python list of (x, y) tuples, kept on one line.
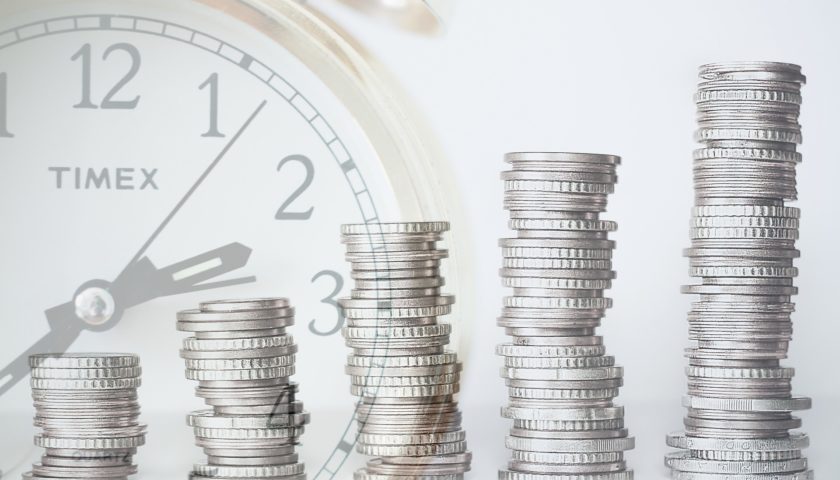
[(195, 185), (64, 321), (142, 281), (99, 310), (62, 334), (99, 305)]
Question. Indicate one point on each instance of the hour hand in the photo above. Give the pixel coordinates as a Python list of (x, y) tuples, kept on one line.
[(98, 305), (142, 281)]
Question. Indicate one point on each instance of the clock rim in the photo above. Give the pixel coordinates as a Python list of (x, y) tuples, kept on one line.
[(412, 160)]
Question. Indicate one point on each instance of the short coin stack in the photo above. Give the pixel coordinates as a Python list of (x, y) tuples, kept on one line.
[(87, 408), (242, 358), (400, 367), (561, 384), (739, 397)]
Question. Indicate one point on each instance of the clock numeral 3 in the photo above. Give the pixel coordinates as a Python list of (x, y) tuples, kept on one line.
[(87, 72), (282, 214), (4, 129), (330, 300), (213, 83)]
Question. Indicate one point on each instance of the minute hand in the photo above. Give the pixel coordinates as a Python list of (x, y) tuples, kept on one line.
[(194, 187)]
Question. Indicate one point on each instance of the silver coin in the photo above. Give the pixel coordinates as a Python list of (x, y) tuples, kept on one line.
[(396, 257), (205, 316), (363, 474), (427, 371), (678, 475), (192, 343), (239, 305), (514, 475), (248, 471), (380, 467), (748, 404), (388, 247), (795, 441), (85, 373), (252, 461), (684, 462), (424, 450), (570, 445), (394, 228), (87, 411), (384, 239), (235, 325), (268, 352), (399, 367), (589, 470), (84, 360), (562, 374)]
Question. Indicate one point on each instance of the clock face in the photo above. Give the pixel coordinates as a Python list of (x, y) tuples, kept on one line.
[(156, 154)]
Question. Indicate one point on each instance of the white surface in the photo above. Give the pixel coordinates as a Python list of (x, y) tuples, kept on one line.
[(617, 77), (614, 77)]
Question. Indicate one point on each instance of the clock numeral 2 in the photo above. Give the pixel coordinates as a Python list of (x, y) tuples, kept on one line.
[(330, 300), (87, 71), (282, 214), (4, 130)]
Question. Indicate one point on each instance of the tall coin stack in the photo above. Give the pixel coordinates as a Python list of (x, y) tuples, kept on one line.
[(242, 358), (739, 398), (407, 380), (87, 408), (561, 384)]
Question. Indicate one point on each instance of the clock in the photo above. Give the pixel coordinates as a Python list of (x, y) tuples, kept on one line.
[(157, 153)]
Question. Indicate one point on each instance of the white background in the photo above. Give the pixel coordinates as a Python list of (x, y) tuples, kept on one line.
[(611, 77), (618, 77)]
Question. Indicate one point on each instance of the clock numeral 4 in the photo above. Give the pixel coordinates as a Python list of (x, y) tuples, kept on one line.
[(213, 83), (4, 106), (280, 413), (338, 285), (87, 72), (282, 213)]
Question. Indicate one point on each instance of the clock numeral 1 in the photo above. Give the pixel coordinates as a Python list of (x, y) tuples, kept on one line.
[(108, 102), (282, 214), (4, 106), (330, 299), (213, 83)]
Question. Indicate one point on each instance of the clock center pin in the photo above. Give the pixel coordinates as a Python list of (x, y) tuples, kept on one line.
[(95, 306)]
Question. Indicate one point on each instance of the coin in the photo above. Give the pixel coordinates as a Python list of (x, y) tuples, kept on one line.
[(739, 403), (87, 408), (398, 366), (244, 371), (561, 382)]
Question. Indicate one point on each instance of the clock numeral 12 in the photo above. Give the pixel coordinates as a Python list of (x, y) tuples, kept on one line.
[(108, 102), (213, 83), (282, 214), (4, 130)]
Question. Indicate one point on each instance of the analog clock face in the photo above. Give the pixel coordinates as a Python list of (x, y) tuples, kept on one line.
[(153, 155)]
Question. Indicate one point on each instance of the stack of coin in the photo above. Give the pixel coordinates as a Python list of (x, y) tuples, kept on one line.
[(561, 384), (242, 358), (407, 380), (739, 397), (87, 409)]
